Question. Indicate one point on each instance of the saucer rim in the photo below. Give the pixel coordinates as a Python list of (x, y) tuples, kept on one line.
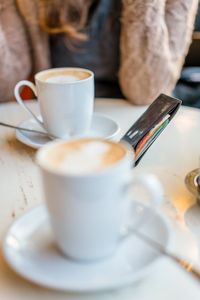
[(109, 285), (27, 141)]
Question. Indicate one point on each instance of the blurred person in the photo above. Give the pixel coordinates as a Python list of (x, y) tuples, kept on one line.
[(136, 48)]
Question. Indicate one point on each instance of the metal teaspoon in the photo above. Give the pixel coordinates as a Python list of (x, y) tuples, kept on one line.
[(51, 136)]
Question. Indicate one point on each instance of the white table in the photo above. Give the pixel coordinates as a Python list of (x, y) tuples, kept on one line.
[(175, 153)]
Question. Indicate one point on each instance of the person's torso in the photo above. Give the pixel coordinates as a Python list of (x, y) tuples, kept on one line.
[(100, 53)]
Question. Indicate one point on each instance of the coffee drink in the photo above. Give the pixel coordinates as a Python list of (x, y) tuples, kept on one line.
[(66, 100), (86, 187), (64, 76), (83, 156)]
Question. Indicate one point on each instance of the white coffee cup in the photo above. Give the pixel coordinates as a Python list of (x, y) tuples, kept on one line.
[(66, 98), (86, 205)]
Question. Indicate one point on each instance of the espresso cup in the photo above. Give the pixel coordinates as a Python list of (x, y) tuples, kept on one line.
[(66, 98), (86, 184)]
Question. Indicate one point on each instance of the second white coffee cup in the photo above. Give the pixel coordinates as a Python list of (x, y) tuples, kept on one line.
[(66, 99), (86, 185)]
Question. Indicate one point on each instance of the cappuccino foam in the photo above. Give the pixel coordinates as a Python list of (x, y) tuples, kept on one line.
[(83, 156), (68, 75), (62, 79)]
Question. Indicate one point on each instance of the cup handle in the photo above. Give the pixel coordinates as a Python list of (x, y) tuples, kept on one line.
[(152, 185), (21, 102), (155, 190)]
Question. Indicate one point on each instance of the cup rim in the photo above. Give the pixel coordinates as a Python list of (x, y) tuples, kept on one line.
[(37, 75), (129, 157)]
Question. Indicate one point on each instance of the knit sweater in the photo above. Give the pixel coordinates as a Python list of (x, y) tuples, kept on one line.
[(154, 40)]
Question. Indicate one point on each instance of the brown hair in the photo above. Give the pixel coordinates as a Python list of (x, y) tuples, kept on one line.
[(67, 17)]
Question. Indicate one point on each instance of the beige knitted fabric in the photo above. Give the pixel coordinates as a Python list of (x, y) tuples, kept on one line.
[(155, 37)]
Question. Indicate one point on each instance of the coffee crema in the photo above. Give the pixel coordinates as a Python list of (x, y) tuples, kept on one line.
[(62, 79), (64, 75), (82, 156)]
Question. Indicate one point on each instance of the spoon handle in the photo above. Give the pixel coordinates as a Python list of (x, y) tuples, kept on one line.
[(186, 265), (27, 129)]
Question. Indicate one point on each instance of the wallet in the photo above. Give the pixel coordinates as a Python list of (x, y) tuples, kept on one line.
[(149, 126)]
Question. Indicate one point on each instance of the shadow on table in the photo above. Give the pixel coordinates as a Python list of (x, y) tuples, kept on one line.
[(192, 220), (15, 146)]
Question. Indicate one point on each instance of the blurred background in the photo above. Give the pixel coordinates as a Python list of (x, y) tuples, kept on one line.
[(188, 87)]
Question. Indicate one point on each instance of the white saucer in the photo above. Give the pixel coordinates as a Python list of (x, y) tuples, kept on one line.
[(101, 126), (30, 250)]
